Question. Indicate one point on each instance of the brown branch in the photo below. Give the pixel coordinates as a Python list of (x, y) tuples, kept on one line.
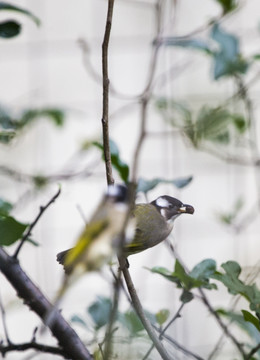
[(105, 114), (37, 302), (29, 229), (140, 312), (4, 349)]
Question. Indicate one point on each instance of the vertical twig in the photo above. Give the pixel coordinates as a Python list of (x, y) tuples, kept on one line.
[(105, 113), (139, 310)]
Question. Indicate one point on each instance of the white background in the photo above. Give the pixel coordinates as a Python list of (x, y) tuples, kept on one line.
[(44, 67)]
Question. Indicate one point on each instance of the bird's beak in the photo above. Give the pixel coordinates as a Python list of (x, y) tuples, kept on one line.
[(188, 209)]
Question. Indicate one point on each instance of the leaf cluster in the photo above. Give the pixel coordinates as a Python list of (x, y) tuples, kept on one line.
[(12, 28), (11, 125), (99, 314)]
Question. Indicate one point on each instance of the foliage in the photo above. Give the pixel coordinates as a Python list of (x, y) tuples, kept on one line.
[(11, 28), (11, 125)]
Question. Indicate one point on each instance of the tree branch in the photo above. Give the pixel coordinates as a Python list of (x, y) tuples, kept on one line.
[(4, 349), (105, 114), (139, 310), (29, 229), (37, 302)]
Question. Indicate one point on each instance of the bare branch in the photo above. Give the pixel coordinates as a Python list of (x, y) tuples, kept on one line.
[(4, 349), (105, 114), (140, 312), (37, 302), (29, 229)]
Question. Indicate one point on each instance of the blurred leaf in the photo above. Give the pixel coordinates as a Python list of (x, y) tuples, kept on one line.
[(162, 316), (5, 207), (117, 163), (239, 122), (6, 136), (228, 60), (121, 167), (9, 7), (240, 321), (147, 185), (228, 5), (9, 29), (256, 57), (235, 286), (40, 181), (210, 124), (56, 115), (190, 43), (33, 242), (251, 318), (230, 217), (12, 124), (186, 296), (10, 230), (100, 311), (131, 321), (78, 320)]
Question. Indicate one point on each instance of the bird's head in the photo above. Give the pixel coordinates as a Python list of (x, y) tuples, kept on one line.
[(117, 193), (170, 208)]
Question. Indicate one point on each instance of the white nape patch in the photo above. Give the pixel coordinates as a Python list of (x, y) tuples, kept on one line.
[(112, 190), (162, 202)]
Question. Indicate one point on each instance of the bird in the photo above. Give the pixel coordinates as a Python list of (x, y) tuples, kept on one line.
[(153, 223), (96, 243)]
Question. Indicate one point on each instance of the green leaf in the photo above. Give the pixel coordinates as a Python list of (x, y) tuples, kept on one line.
[(5, 207), (228, 60), (198, 277), (167, 274), (40, 181), (9, 7), (203, 271), (186, 296), (228, 5), (131, 321), (54, 114), (235, 286), (9, 29), (6, 136), (240, 321), (117, 163), (210, 124), (121, 167), (240, 123), (100, 311), (78, 320), (186, 280), (146, 185), (162, 316), (251, 318), (10, 230)]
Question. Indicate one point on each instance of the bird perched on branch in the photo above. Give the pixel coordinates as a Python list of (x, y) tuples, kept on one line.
[(153, 223)]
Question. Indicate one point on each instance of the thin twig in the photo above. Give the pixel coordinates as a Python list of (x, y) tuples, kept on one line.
[(179, 346), (105, 113), (163, 331), (140, 312), (4, 349), (29, 229), (2, 309)]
